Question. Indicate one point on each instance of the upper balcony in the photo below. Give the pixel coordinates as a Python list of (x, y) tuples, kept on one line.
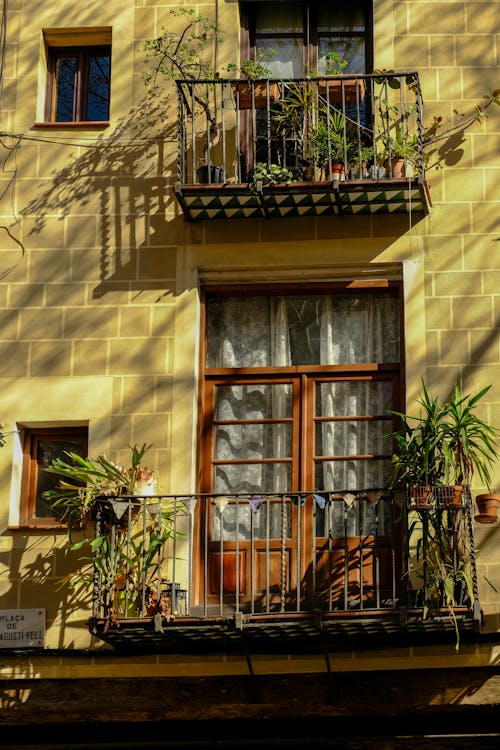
[(335, 145)]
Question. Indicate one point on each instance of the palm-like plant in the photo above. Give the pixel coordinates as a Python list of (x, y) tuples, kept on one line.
[(84, 480), (468, 441), (445, 443), (127, 556), (418, 457)]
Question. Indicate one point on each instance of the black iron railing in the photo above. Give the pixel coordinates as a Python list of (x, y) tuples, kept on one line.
[(347, 127), (214, 556)]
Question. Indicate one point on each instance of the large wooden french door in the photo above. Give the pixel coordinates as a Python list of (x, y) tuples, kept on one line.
[(297, 392)]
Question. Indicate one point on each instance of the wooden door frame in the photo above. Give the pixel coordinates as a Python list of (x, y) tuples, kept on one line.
[(307, 374)]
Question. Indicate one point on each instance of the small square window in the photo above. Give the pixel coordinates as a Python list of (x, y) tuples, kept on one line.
[(40, 448), (78, 84)]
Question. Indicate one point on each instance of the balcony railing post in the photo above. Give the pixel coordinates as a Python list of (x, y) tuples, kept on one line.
[(283, 562), (468, 502), (329, 514), (173, 595), (205, 557), (97, 587), (252, 564), (221, 561), (298, 547), (237, 566)]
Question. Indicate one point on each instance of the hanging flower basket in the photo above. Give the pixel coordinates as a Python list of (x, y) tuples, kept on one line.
[(421, 497), (451, 497)]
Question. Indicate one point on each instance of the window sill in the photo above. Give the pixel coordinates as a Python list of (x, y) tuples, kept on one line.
[(88, 124), (49, 526)]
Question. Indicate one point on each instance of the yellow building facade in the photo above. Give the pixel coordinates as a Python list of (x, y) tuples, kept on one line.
[(103, 283)]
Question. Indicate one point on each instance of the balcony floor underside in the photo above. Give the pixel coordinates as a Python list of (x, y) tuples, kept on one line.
[(349, 198), (311, 633)]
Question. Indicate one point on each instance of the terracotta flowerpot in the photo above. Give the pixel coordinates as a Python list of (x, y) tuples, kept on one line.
[(420, 497), (353, 88), (242, 92), (398, 168), (337, 172), (487, 506)]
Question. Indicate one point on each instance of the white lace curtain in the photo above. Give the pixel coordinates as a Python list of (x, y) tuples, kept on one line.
[(247, 332), (298, 330)]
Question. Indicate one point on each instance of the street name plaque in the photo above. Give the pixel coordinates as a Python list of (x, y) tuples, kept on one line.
[(22, 628)]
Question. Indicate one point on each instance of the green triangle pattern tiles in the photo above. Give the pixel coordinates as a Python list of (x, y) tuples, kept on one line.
[(350, 200)]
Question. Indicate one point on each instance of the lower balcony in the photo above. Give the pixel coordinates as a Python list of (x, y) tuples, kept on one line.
[(335, 570), (335, 145)]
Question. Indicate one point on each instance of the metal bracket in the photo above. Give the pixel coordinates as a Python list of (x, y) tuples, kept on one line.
[(260, 197), (239, 620), (403, 616), (180, 197), (335, 190), (158, 623)]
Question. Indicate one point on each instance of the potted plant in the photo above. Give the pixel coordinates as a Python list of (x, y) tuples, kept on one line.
[(469, 442), (254, 92), (400, 155), (126, 549), (444, 445), (403, 152), (293, 119), (417, 460), (436, 453), (361, 163), (83, 481), (329, 144), (270, 174)]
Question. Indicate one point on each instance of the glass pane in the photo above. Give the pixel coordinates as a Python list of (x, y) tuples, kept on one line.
[(352, 438), (359, 329), (352, 475), (66, 72), (238, 332), (253, 401), (266, 522), (98, 87), (252, 478), (283, 17), (303, 318), (341, 17), (47, 451), (352, 50), (353, 398), (288, 60), (302, 330), (253, 441)]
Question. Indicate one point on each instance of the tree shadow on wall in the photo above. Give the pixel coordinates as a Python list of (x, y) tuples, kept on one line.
[(46, 576), (122, 180), (448, 154)]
